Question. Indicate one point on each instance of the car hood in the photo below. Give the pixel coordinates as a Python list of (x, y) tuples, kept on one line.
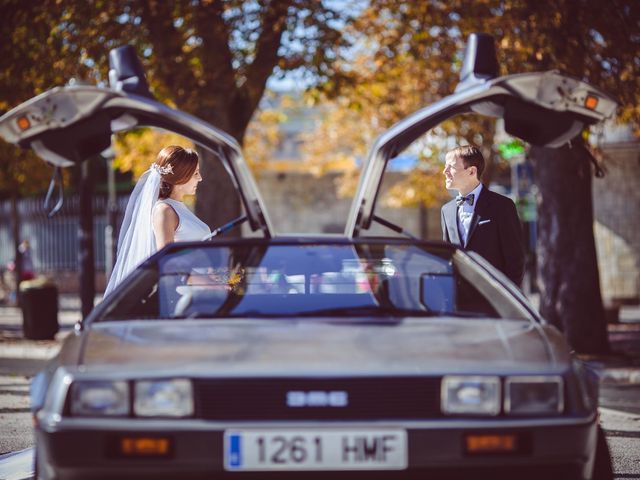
[(268, 347)]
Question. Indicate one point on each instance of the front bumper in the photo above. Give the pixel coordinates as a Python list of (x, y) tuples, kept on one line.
[(82, 448)]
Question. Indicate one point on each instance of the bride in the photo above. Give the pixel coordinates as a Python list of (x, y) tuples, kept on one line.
[(155, 214)]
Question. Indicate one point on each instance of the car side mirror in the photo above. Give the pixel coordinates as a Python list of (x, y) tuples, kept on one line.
[(438, 292)]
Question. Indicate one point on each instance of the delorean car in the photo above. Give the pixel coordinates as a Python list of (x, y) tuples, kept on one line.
[(327, 356)]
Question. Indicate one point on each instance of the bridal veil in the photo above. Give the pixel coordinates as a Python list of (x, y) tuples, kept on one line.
[(136, 241)]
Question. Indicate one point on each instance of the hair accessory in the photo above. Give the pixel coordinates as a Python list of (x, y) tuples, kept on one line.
[(167, 169)]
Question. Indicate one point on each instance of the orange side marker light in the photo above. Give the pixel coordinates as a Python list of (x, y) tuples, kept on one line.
[(591, 102), (23, 123)]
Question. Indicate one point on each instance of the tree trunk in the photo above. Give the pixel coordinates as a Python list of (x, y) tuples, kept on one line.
[(570, 296), (217, 201), (424, 221), (488, 128)]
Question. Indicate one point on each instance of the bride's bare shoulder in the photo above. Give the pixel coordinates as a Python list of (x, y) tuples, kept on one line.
[(164, 211)]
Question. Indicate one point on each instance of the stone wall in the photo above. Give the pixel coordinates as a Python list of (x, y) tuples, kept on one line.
[(302, 203), (616, 203)]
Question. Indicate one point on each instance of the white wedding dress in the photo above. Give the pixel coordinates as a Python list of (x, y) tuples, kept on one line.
[(136, 241), (190, 227)]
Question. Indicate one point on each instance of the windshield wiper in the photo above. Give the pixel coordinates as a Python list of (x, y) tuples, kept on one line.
[(465, 314), (226, 227), (246, 314), (365, 310), (355, 311), (394, 227)]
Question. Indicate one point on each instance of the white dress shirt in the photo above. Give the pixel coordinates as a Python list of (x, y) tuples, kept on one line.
[(465, 214)]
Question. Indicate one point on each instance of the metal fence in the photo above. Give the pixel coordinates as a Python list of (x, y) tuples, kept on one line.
[(54, 241)]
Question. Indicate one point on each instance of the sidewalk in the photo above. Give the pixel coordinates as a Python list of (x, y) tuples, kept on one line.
[(21, 356), (622, 365)]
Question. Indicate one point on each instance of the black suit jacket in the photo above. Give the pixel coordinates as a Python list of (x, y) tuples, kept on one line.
[(495, 232)]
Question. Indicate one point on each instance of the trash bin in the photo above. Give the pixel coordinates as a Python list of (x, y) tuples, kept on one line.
[(39, 303)]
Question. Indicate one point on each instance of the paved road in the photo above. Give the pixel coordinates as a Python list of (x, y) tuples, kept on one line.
[(623, 436), (620, 418), (15, 417), (625, 398)]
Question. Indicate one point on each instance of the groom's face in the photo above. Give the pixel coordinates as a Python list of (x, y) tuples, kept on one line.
[(456, 176)]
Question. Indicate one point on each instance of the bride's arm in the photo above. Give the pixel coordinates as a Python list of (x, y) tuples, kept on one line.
[(165, 221)]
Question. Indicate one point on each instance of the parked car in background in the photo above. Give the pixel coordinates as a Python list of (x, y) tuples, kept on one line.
[(317, 356)]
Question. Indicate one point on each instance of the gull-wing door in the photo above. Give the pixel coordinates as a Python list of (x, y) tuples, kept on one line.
[(67, 125), (544, 109)]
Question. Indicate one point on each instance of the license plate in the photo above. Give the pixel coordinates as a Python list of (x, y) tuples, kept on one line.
[(326, 449)]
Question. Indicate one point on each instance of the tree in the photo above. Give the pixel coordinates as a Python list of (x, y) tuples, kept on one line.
[(349, 125), (31, 44), (595, 41), (375, 89), (263, 136), (211, 58), (136, 150), (570, 294)]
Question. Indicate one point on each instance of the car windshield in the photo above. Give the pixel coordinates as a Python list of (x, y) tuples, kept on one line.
[(383, 280)]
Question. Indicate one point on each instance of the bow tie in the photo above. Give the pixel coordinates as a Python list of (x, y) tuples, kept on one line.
[(469, 199)]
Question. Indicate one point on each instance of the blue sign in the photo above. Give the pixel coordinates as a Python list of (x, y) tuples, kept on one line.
[(524, 179)]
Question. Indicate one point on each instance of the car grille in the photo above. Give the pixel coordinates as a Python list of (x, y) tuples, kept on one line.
[(368, 398)]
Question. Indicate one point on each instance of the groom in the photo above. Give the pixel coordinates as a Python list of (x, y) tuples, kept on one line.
[(479, 219)]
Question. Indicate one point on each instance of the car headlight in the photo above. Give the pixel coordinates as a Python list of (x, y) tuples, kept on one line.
[(475, 395), (163, 398), (100, 398), (534, 395)]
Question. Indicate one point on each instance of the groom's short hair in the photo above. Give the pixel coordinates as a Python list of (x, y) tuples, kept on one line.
[(471, 156)]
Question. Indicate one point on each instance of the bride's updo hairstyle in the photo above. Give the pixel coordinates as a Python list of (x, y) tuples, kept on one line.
[(176, 166)]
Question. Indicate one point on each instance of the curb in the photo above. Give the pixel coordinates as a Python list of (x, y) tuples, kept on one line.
[(617, 376), (618, 413), (29, 350)]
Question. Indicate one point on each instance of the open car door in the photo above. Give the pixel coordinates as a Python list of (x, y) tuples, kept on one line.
[(544, 109), (67, 125)]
